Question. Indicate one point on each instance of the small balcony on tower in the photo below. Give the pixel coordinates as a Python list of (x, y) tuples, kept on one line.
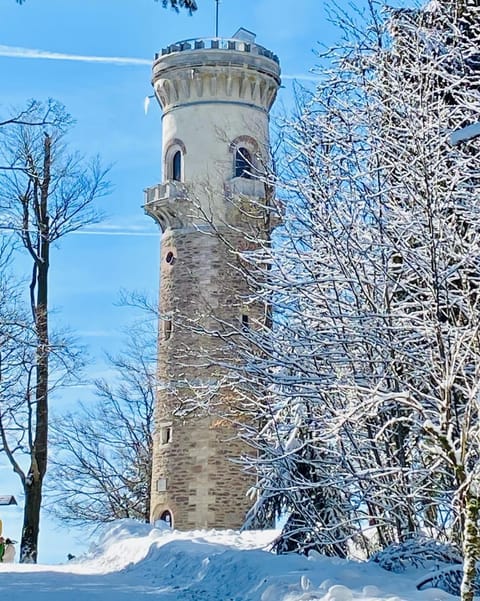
[(163, 203), (241, 186)]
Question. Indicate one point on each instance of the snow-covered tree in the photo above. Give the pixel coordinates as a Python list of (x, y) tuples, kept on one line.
[(432, 222), (374, 282)]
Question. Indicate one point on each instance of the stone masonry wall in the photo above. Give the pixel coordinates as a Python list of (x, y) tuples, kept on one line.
[(201, 293), (215, 101)]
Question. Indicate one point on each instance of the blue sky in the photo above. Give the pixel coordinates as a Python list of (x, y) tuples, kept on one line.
[(106, 99), (51, 48)]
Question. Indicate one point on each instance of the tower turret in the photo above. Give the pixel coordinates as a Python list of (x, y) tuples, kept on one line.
[(215, 96)]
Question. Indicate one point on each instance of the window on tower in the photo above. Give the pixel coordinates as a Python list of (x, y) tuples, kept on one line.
[(243, 163), (167, 329), (177, 166), (165, 434), (174, 166)]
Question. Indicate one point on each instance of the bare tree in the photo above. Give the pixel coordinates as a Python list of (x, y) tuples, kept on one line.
[(45, 193), (15, 344), (101, 470)]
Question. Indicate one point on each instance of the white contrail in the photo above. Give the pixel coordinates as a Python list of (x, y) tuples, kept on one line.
[(302, 76), (107, 229), (19, 52), (100, 230), (117, 233)]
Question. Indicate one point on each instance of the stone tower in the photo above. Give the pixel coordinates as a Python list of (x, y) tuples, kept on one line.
[(215, 95)]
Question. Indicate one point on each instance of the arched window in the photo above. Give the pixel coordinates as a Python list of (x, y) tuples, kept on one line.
[(177, 166), (174, 160), (243, 163)]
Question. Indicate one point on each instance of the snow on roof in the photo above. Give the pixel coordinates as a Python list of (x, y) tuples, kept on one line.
[(7, 500)]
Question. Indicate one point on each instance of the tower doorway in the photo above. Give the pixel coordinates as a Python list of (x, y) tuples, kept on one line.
[(167, 518)]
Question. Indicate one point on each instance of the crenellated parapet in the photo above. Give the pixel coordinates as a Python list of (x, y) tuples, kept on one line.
[(218, 70), (216, 43)]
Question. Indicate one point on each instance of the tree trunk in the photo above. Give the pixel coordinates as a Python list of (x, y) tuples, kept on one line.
[(471, 546), (31, 516), (38, 462)]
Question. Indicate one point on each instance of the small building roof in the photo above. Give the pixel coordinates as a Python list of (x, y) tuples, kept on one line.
[(245, 35), (7, 500)]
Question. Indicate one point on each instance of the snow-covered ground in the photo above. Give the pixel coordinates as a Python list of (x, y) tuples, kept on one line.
[(136, 562)]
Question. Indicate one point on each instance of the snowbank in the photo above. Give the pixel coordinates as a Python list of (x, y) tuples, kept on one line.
[(136, 561)]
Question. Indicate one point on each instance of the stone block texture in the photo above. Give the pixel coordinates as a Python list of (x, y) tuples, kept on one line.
[(214, 100)]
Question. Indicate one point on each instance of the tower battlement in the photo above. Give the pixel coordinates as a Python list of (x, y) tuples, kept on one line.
[(216, 70), (215, 43)]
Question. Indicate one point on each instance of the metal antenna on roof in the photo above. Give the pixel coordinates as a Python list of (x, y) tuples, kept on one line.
[(217, 2)]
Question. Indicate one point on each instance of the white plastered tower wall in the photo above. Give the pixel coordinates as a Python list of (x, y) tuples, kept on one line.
[(215, 95)]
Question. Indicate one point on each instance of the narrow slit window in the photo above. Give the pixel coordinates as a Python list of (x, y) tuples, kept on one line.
[(165, 434), (167, 329), (177, 166), (243, 163)]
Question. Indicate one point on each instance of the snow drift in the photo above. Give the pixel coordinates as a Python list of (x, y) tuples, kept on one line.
[(136, 561)]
